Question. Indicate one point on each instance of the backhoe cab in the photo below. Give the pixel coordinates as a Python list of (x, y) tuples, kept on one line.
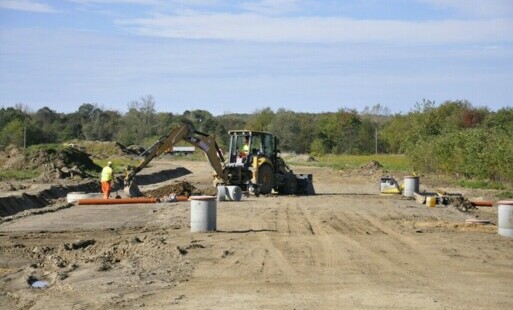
[(254, 165)]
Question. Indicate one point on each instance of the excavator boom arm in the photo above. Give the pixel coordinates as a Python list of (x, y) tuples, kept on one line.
[(209, 146), (201, 140)]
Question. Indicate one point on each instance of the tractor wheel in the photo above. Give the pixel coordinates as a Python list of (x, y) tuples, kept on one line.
[(265, 178)]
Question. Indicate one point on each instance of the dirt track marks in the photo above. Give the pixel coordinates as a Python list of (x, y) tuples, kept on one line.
[(351, 241)]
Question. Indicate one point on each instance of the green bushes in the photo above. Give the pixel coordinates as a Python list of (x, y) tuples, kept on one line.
[(481, 153)]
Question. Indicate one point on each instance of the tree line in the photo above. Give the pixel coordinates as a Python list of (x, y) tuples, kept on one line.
[(453, 137)]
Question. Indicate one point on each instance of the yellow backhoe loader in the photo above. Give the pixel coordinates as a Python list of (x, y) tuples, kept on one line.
[(256, 167)]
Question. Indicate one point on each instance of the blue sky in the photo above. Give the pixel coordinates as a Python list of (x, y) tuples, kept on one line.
[(239, 56)]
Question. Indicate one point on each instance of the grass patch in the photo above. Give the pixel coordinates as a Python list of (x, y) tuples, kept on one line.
[(480, 184), (389, 162), (98, 148), (505, 195), (51, 148), (8, 174)]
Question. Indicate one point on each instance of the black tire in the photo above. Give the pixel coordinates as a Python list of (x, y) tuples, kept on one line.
[(265, 179)]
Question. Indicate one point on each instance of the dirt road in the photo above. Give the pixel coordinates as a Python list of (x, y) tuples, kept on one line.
[(347, 247)]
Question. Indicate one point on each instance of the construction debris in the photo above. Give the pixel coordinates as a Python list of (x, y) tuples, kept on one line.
[(444, 198), (461, 203), (180, 189)]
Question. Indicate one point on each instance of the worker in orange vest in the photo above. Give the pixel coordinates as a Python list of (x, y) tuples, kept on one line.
[(106, 180)]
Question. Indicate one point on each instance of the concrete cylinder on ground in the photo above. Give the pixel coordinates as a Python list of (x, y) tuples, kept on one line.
[(411, 185), (505, 221), (233, 193), (203, 213), (221, 193)]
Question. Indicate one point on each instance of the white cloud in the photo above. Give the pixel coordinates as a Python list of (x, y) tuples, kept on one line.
[(484, 8), (271, 7), (159, 3), (257, 28), (143, 2), (26, 5)]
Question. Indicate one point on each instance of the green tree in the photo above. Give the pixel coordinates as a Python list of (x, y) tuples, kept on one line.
[(296, 131), (49, 124), (233, 121), (19, 114), (164, 122), (339, 131), (198, 118), (502, 119), (139, 123), (12, 133), (261, 119)]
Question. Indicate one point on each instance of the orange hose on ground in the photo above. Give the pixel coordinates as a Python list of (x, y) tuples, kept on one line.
[(482, 203), (182, 198), (101, 201)]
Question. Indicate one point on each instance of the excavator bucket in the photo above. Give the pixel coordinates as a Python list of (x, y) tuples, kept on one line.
[(132, 190)]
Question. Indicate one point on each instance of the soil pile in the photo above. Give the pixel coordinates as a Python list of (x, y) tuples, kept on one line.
[(56, 162), (12, 186), (373, 165), (372, 169), (181, 189), (298, 158), (130, 150), (106, 149)]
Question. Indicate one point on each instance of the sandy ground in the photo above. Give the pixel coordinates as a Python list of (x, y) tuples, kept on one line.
[(345, 248)]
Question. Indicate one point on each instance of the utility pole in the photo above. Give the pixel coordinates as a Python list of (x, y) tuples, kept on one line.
[(376, 137), (24, 136)]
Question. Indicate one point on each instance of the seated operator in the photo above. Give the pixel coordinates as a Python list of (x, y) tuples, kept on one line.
[(245, 148)]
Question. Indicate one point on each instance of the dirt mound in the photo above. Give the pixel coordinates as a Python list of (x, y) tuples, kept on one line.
[(12, 186), (99, 149), (15, 158), (374, 164), (373, 169), (106, 149), (298, 158), (55, 161), (181, 189), (131, 150)]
